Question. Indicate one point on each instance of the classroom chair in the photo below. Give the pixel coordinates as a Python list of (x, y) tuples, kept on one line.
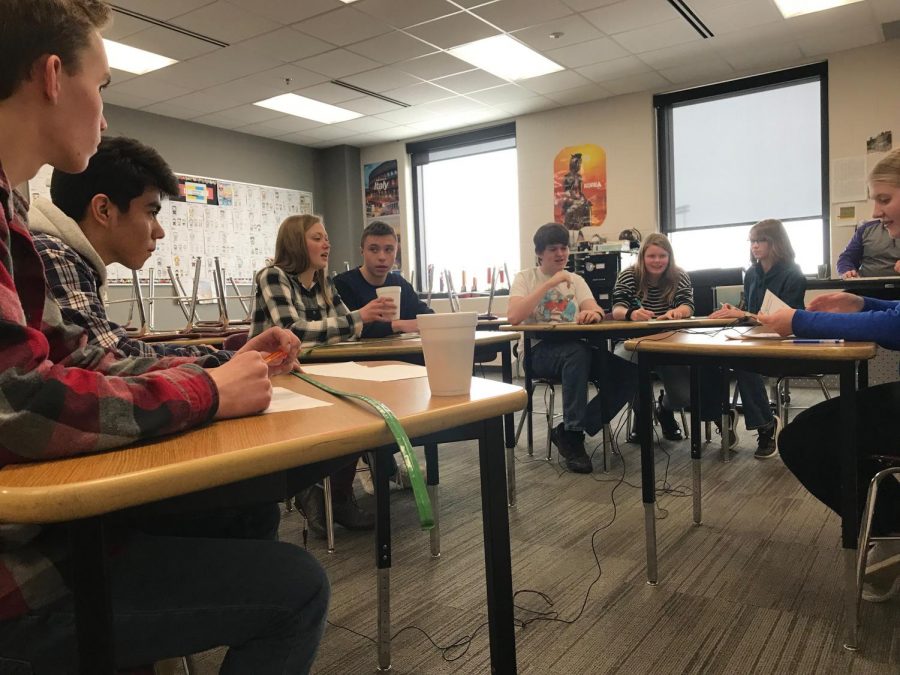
[(783, 393)]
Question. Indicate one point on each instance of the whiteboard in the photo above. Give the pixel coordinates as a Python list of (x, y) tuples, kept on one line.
[(240, 229)]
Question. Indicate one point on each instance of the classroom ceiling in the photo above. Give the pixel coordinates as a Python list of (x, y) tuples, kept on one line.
[(397, 49)]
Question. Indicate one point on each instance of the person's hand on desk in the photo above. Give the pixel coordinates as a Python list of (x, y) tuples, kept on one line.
[(589, 316), (850, 274), (641, 314), (674, 314), (727, 311), (780, 322), (273, 340), (243, 384), (839, 303), (380, 309), (405, 326)]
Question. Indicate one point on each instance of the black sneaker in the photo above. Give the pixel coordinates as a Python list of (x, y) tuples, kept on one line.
[(670, 429), (351, 516), (311, 503), (767, 441), (571, 446)]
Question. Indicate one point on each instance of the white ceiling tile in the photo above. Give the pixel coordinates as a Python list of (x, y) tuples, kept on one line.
[(453, 31), (613, 70), (577, 95), (391, 47), (631, 14), (657, 36), (169, 43), (338, 63), (343, 26), (201, 103), (741, 16), (584, 5), (122, 26), (216, 67), (748, 56), (510, 15), (565, 79), (224, 21), (472, 80), (652, 82), (125, 100), (276, 78), (526, 106), (287, 44), (364, 124), (287, 124), (224, 120), (162, 9), (857, 14), (251, 113), (328, 93), (574, 29), (245, 90), (828, 42), (368, 105), (417, 94), (407, 115), (585, 53), (170, 109), (454, 105), (434, 65), (381, 79), (117, 76), (148, 86), (502, 94), (328, 132), (288, 11), (708, 70), (403, 13), (298, 138), (469, 4), (680, 55)]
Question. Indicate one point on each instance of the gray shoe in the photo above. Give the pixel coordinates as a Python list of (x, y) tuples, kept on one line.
[(351, 516), (311, 503), (571, 446)]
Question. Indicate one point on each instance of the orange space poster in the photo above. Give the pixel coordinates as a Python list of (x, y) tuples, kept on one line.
[(579, 186)]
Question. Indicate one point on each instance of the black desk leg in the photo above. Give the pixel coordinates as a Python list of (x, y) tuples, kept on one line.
[(383, 554), (529, 390), (648, 470), (509, 428), (725, 388), (497, 558), (432, 480), (93, 602), (696, 445), (850, 514)]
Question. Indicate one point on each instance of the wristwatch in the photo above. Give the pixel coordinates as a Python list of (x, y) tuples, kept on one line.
[(629, 313)]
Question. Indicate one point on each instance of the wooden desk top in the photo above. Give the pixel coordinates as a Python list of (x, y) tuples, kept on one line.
[(609, 326), (232, 450), (499, 321), (387, 347), (715, 343)]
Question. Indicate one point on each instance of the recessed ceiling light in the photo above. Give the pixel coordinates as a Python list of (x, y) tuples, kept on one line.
[(307, 108), (505, 57), (789, 8), (134, 60)]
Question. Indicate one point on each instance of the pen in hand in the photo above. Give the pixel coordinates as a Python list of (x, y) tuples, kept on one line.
[(815, 341)]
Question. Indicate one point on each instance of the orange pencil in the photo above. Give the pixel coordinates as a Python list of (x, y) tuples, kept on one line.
[(278, 354)]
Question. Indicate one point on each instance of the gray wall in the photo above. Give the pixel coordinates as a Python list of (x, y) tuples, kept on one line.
[(339, 201)]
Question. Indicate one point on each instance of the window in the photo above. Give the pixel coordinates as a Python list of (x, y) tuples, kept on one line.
[(465, 189), (734, 153)]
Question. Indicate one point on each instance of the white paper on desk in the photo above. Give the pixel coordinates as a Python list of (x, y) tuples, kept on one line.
[(355, 371), (753, 336), (284, 400), (772, 303)]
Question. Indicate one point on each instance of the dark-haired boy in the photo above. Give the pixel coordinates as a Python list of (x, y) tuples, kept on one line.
[(548, 294), (105, 214), (359, 286), (170, 595)]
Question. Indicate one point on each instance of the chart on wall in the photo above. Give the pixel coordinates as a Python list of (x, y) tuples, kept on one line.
[(579, 186), (237, 222)]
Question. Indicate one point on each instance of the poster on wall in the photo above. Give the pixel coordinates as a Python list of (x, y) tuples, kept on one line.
[(382, 197), (579, 186)]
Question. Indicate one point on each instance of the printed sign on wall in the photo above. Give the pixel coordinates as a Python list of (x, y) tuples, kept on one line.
[(382, 194), (579, 186)]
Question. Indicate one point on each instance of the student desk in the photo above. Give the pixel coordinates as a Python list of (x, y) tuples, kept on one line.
[(599, 335), (884, 288), (769, 357), (411, 345), (83, 490)]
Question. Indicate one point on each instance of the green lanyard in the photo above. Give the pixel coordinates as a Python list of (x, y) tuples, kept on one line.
[(423, 504)]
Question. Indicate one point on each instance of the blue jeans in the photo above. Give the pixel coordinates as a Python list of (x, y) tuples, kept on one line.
[(755, 400), (178, 595)]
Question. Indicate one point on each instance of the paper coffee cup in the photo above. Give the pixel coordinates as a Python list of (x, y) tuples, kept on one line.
[(448, 343), (392, 292)]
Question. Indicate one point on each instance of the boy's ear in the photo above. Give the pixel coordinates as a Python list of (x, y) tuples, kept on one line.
[(47, 70), (99, 209)]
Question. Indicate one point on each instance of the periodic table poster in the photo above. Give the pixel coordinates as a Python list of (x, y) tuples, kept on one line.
[(237, 222)]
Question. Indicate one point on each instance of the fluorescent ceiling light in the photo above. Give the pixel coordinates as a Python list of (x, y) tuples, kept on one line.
[(134, 60), (505, 57), (789, 8), (307, 108)]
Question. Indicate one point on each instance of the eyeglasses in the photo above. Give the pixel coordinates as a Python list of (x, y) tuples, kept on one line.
[(761, 240)]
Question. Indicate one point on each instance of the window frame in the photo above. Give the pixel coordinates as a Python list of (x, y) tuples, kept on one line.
[(664, 104), (419, 155)]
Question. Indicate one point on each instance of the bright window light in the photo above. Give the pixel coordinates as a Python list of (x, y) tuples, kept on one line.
[(505, 57), (134, 60), (789, 8), (307, 108)]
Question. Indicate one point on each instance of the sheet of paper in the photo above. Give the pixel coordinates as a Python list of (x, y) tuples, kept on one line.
[(284, 400), (356, 371), (749, 335), (772, 303), (848, 179)]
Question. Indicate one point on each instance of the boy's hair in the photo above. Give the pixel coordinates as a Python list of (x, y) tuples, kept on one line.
[(31, 28), (773, 231), (291, 254), (377, 228), (122, 169), (888, 169), (549, 234)]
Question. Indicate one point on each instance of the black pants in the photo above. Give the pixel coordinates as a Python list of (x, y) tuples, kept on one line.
[(810, 447)]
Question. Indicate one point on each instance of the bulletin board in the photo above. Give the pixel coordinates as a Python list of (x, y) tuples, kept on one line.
[(237, 222)]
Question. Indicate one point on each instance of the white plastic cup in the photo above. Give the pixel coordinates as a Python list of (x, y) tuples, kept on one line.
[(448, 342), (392, 292)]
